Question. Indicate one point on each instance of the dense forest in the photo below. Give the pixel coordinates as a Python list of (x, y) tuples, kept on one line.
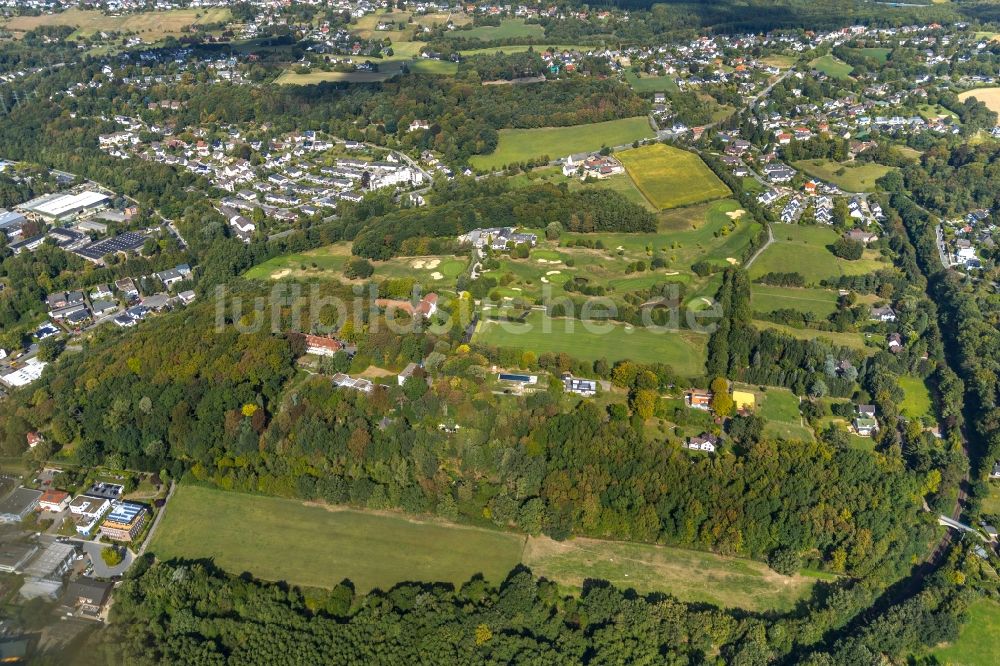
[(189, 612)]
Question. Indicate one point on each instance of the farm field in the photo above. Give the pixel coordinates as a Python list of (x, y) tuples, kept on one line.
[(804, 249), (850, 340), (916, 397), (976, 643), (150, 26), (319, 546), (621, 184), (832, 67), (683, 350), (821, 302), (689, 575), (670, 177), (988, 96), (519, 145), (508, 29), (647, 84), (857, 176)]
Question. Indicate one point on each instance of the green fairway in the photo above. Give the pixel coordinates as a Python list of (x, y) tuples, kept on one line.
[(916, 397), (832, 67), (649, 84), (976, 644), (683, 350), (670, 177), (805, 250), (304, 264), (519, 145), (282, 539), (820, 302), (514, 28), (689, 575), (856, 176)]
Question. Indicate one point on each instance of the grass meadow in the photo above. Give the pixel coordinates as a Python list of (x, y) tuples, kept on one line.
[(316, 546), (590, 341), (820, 302), (689, 575), (849, 340), (976, 643), (857, 176), (519, 145), (514, 28), (832, 67), (670, 177), (804, 249)]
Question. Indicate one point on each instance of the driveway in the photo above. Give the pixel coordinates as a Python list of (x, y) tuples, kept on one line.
[(102, 570)]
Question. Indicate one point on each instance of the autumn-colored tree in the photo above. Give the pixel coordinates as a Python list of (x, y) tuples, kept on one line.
[(722, 403)]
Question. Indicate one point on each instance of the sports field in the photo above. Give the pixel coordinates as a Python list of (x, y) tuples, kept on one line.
[(821, 302), (976, 643), (686, 574), (988, 96), (856, 176), (805, 250), (832, 67), (648, 84), (683, 350), (519, 145), (283, 539), (670, 177), (150, 26)]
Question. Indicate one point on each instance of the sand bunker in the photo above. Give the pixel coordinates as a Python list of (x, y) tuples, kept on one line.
[(432, 263), (736, 214), (284, 272), (419, 263), (732, 260), (545, 280), (428, 264), (436, 276), (553, 272)]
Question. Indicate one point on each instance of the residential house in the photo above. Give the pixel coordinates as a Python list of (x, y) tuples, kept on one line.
[(87, 596), (426, 307), (703, 442), (322, 346), (53, 500), (584, 387), (884, 314), (87, 511), (697, 399)]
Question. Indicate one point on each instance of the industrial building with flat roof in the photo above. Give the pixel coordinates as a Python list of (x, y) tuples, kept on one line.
[(43, 577), (124, 522), (18, 504), (61, 207)]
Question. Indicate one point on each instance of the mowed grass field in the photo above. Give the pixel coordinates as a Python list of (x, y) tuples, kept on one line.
[(670, 177), (832, 66), (804, 249), (988, 96), (317, 546), (916, 397), (821, 302), (283, 539), (857, 176), (150, 26), (976, 644), (688, 575), (849, 340), (519, 145), (589, 341)]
